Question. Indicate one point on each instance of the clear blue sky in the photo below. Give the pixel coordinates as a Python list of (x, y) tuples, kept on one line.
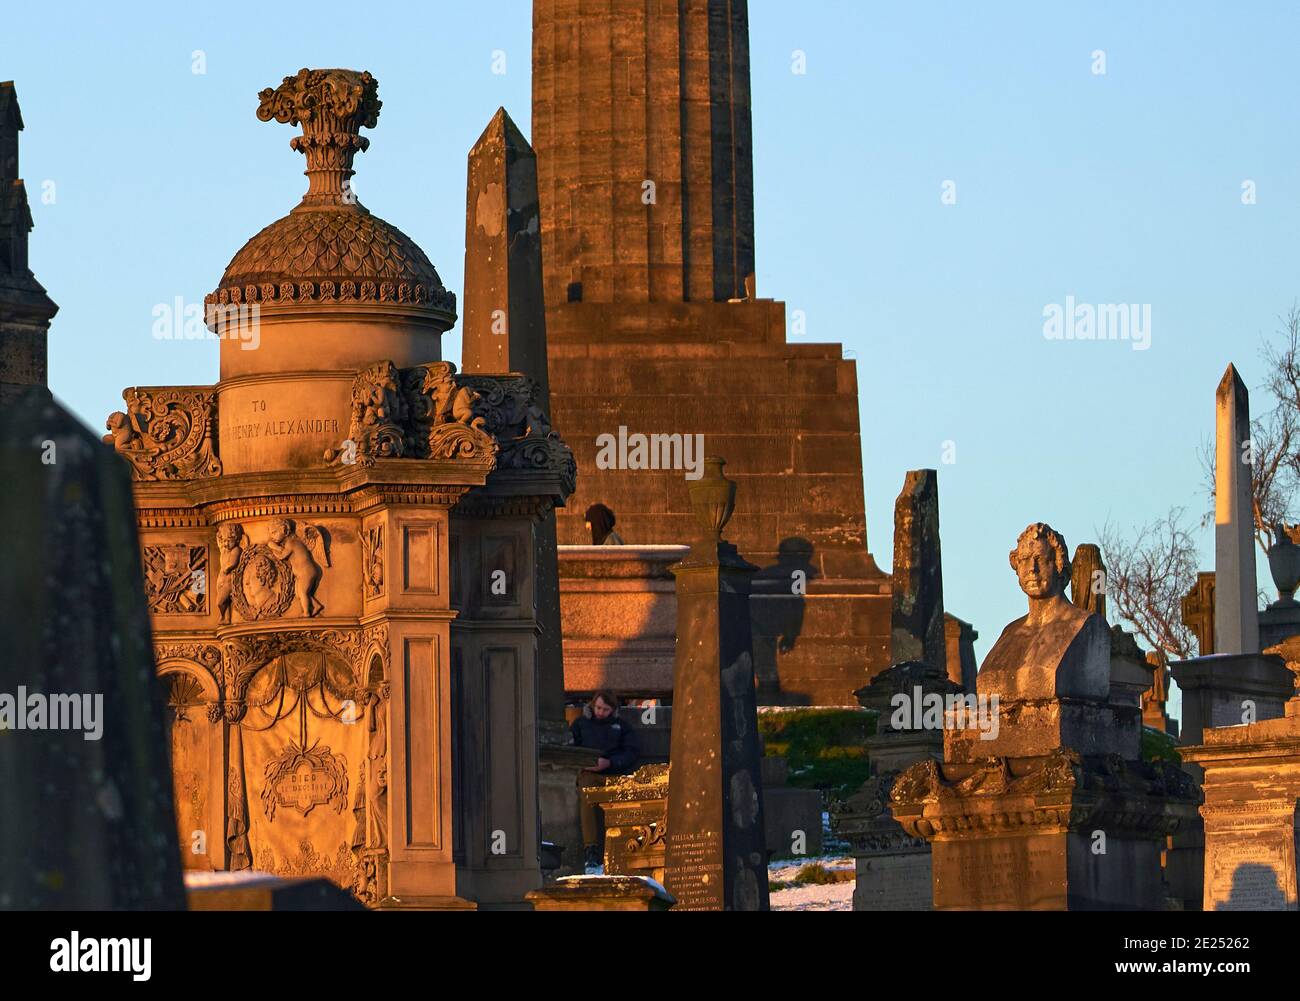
[(1115, 188)]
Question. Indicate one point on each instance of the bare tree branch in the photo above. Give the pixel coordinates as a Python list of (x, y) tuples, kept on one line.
[(1146, 578)]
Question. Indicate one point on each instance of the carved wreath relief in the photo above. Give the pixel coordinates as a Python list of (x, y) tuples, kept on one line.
[(305, 778), (271, 579)]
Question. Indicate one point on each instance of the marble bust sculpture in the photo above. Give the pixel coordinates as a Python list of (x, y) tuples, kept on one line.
[(1058, 649)]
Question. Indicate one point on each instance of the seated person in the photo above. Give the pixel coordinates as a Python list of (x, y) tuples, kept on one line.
[(600, 729)]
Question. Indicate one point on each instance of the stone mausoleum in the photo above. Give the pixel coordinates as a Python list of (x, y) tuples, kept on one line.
[(338, 542)]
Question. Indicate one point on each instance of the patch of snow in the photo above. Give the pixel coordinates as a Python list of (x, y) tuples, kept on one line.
[(827, 897)]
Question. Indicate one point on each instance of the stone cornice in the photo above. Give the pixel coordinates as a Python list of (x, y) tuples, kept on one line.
[(1052, 793)]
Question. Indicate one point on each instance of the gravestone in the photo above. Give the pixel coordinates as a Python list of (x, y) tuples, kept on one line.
[(917, 623), (504, 332), (715, 858), (1088, 579), (1198, 612), (893, 865), (86, 812), (339, 539)]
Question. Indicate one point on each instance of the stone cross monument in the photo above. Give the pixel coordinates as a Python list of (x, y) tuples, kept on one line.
[(715, 859)]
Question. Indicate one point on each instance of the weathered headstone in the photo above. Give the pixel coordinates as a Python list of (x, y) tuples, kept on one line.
[(961, 637), (1088, 579), (1198, 612), (715, 858), (1236, 613), (86, 815), (917, 624)]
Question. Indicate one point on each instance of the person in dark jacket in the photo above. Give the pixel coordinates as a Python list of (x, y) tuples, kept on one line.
[(600, 729), (600, 523)]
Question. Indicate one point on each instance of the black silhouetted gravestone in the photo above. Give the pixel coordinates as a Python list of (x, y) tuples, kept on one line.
[(84, 823)]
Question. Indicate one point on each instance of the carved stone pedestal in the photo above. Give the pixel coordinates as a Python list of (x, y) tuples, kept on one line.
[(1052, 832), (1252, 785), (893, 866), (340, 542), (1228, 689)]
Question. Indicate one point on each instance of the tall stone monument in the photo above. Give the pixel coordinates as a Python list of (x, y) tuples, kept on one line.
[(86, 815), (641, 123), (917, 621), (1052, 809), (715, 858), (338, 545), (505, 332), (1236, 608), (1230, 683)]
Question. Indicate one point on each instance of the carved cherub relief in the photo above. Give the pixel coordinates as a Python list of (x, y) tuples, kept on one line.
[(301, 554), (230, 540)]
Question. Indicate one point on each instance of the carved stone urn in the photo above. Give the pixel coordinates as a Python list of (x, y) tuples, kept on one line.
[(713, 498), (1284, 564)]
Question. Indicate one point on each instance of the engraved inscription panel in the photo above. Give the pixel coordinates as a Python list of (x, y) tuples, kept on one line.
[(696, 874), (1249, 871)]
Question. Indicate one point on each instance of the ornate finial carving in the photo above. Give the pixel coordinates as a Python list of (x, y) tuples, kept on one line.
[(332, 106)]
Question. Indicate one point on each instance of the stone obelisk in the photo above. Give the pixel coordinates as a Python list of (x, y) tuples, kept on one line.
[(715, 857), (505, 332), (1236, 617)]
